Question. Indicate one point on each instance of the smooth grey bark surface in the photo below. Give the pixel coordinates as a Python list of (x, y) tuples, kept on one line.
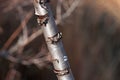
[(53, 40)]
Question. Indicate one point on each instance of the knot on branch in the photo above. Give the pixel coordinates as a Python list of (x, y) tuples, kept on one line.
[(43, 19), (62, 72), (54, 39), (44, 1)]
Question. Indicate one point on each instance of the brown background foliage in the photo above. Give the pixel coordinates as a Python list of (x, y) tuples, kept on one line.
[(91, 37)]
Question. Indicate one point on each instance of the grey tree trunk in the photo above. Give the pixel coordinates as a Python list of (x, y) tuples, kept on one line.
[(53, 40)]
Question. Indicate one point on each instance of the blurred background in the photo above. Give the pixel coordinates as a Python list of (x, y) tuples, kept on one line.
[(91, 38)]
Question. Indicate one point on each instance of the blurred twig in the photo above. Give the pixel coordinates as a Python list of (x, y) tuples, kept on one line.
[(12, 73), (17, 31), (58, 10), (25, 41), (69, 11), (13, 4)]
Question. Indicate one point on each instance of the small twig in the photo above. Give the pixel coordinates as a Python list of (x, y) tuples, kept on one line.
[(69, 11), (11, 73), (38, 59), (66, 4), (17, 31), (58, 10), (12, 4), (25, 42), (32, 37)]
